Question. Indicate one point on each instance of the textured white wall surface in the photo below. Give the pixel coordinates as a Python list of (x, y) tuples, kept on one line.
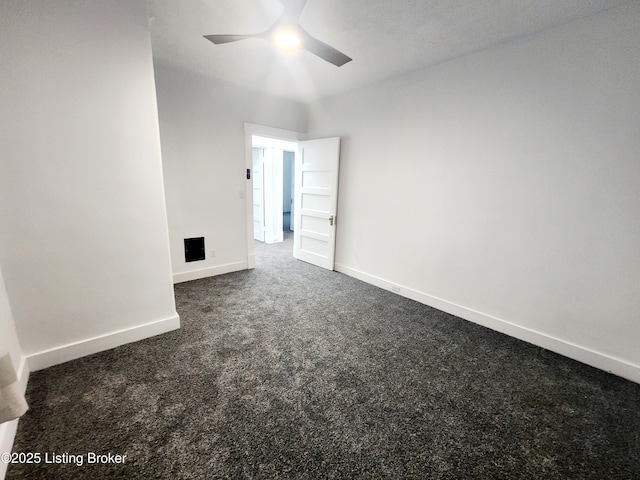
[(504, 184), (203, 151), (83, 240)]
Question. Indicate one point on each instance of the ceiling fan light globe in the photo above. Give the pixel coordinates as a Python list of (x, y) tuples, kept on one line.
[(287, 39)]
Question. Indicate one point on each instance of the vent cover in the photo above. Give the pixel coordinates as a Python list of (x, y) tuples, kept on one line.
[(193, 249)]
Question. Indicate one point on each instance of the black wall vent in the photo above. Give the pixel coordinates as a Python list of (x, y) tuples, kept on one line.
[(193, 249)]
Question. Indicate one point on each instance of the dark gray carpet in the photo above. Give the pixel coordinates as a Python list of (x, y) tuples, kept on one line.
[(290, 371)]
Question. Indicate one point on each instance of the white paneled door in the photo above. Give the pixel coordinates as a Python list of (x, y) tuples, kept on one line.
[(258, 194), (316, 201)]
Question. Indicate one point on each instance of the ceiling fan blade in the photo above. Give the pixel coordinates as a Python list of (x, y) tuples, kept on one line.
[(322, 50), (218, 39), (293, 9)]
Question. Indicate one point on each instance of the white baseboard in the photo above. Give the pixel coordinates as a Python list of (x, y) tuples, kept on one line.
[(582, 354), (8, 429), (64, 353), (209, 272)]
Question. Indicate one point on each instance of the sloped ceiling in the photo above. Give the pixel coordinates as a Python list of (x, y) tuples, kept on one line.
[(385, 38)]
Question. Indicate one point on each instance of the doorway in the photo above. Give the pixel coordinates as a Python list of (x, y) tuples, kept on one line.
[(287, 191), (273, 138), (313, 197), (272, 188)]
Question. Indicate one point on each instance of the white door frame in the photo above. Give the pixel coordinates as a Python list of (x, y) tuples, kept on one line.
[(258, 186), (251, 129)]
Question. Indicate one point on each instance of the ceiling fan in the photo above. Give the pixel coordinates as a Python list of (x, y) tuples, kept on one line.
[(286, 32)]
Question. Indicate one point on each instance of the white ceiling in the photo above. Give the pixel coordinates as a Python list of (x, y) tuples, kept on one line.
[(385, 38)]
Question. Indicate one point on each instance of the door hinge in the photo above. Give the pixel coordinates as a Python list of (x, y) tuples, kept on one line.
[(248, 174)]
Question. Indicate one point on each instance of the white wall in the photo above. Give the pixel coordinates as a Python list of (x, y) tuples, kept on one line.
[(83, 239), (9, 336), (503, 187), (203, 145)]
